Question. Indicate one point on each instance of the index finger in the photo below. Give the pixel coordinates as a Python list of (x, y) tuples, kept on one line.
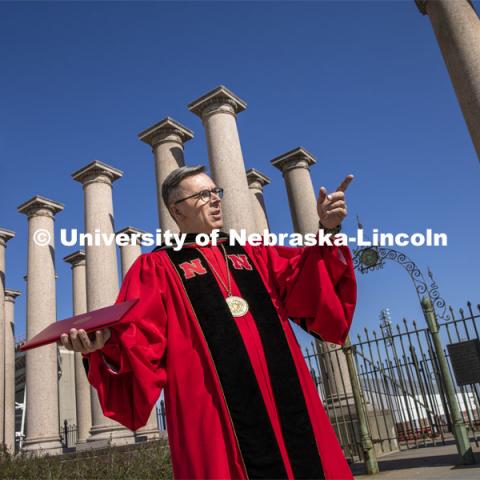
[(346, 182)]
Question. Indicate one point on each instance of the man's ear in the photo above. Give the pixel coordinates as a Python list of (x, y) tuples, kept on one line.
[(175, 212)]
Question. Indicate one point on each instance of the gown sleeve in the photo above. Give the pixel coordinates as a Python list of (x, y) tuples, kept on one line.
[(129, 372), (317, 287)]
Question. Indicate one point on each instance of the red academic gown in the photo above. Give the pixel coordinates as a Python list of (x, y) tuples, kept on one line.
[(240, 401)]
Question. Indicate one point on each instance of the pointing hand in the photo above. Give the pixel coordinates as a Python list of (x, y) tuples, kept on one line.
[(332, 208)]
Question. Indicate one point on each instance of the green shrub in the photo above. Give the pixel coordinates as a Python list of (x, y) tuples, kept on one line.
[(147, 461)]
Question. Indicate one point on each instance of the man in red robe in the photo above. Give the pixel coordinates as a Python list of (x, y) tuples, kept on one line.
[(211, 328)]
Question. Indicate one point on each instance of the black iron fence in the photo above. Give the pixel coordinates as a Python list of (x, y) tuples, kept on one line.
[(405, 399), (68, 432), (402, 384), (68, 435), (161, 416), (460, 330)]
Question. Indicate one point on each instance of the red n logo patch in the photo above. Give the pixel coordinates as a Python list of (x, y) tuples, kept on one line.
[(190, 269), (240, 262)]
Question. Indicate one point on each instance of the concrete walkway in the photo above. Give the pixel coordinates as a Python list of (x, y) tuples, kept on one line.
[(423, 463)]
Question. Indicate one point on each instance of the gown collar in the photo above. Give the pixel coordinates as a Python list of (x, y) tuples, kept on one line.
[(190, 238), (190, 241)]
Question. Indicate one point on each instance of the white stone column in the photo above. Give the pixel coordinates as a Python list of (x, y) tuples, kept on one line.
[(167, 139), (218, 110), (129, 253), (10, 296), (42, 422), (67, 402), (82, 387), (5, 236), (256, 182), (457, 28), (101, 272), (295, 166)]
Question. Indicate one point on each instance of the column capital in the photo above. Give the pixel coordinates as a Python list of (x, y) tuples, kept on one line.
[(97, 171), (5, 236), (166, 129), (40, 206), (131, 231), (296, 158), (75, 259), (256, 179), (218, 99), (11, 295)]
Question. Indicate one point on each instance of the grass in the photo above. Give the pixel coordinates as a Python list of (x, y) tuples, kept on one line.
[(147, 461)]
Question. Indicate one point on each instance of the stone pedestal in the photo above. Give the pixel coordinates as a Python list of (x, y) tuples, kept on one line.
[(42, 422), (82, 387), (129, 253), (10, 296), (381, 426), (150, 431), (218, 110), (457, 28), (101, 272), (167, 139), (5, 236), (256, 181)]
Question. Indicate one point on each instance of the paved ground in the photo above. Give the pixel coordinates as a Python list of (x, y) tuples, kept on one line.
[(423, 463)]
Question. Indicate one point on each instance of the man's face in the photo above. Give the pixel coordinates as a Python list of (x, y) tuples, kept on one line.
[(195, 215)]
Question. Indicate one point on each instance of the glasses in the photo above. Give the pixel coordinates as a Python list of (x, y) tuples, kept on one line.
[(204, 195)]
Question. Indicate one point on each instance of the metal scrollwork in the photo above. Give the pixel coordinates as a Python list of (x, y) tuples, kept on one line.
[(438, 302), (369, 259)]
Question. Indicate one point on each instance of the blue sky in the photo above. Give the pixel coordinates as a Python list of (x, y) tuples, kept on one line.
[(361, 85)]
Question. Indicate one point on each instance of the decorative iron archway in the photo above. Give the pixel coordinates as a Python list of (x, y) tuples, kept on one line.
[(374, 258)]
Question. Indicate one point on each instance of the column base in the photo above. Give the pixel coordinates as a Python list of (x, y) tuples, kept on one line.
[(115, 434), (43, 445), (147, 435), (84, 434), (381, 425), (340, 401)]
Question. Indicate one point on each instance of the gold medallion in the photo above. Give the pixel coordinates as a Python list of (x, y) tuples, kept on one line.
[(237, 305)]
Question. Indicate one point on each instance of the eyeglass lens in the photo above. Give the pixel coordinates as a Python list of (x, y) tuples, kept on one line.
[(206, 194)]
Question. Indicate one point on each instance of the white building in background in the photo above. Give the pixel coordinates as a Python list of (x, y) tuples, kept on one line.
[(414, 407)]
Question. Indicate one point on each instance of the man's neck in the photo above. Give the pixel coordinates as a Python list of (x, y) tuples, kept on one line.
[(196, 232)]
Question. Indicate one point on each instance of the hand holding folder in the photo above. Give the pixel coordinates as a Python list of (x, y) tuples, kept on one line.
[(90, 322), (83, 342)]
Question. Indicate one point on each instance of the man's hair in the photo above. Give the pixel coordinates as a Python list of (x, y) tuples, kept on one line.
[(173, 179)]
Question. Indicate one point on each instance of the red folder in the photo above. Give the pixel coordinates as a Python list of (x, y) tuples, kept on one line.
[(90, 322)]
